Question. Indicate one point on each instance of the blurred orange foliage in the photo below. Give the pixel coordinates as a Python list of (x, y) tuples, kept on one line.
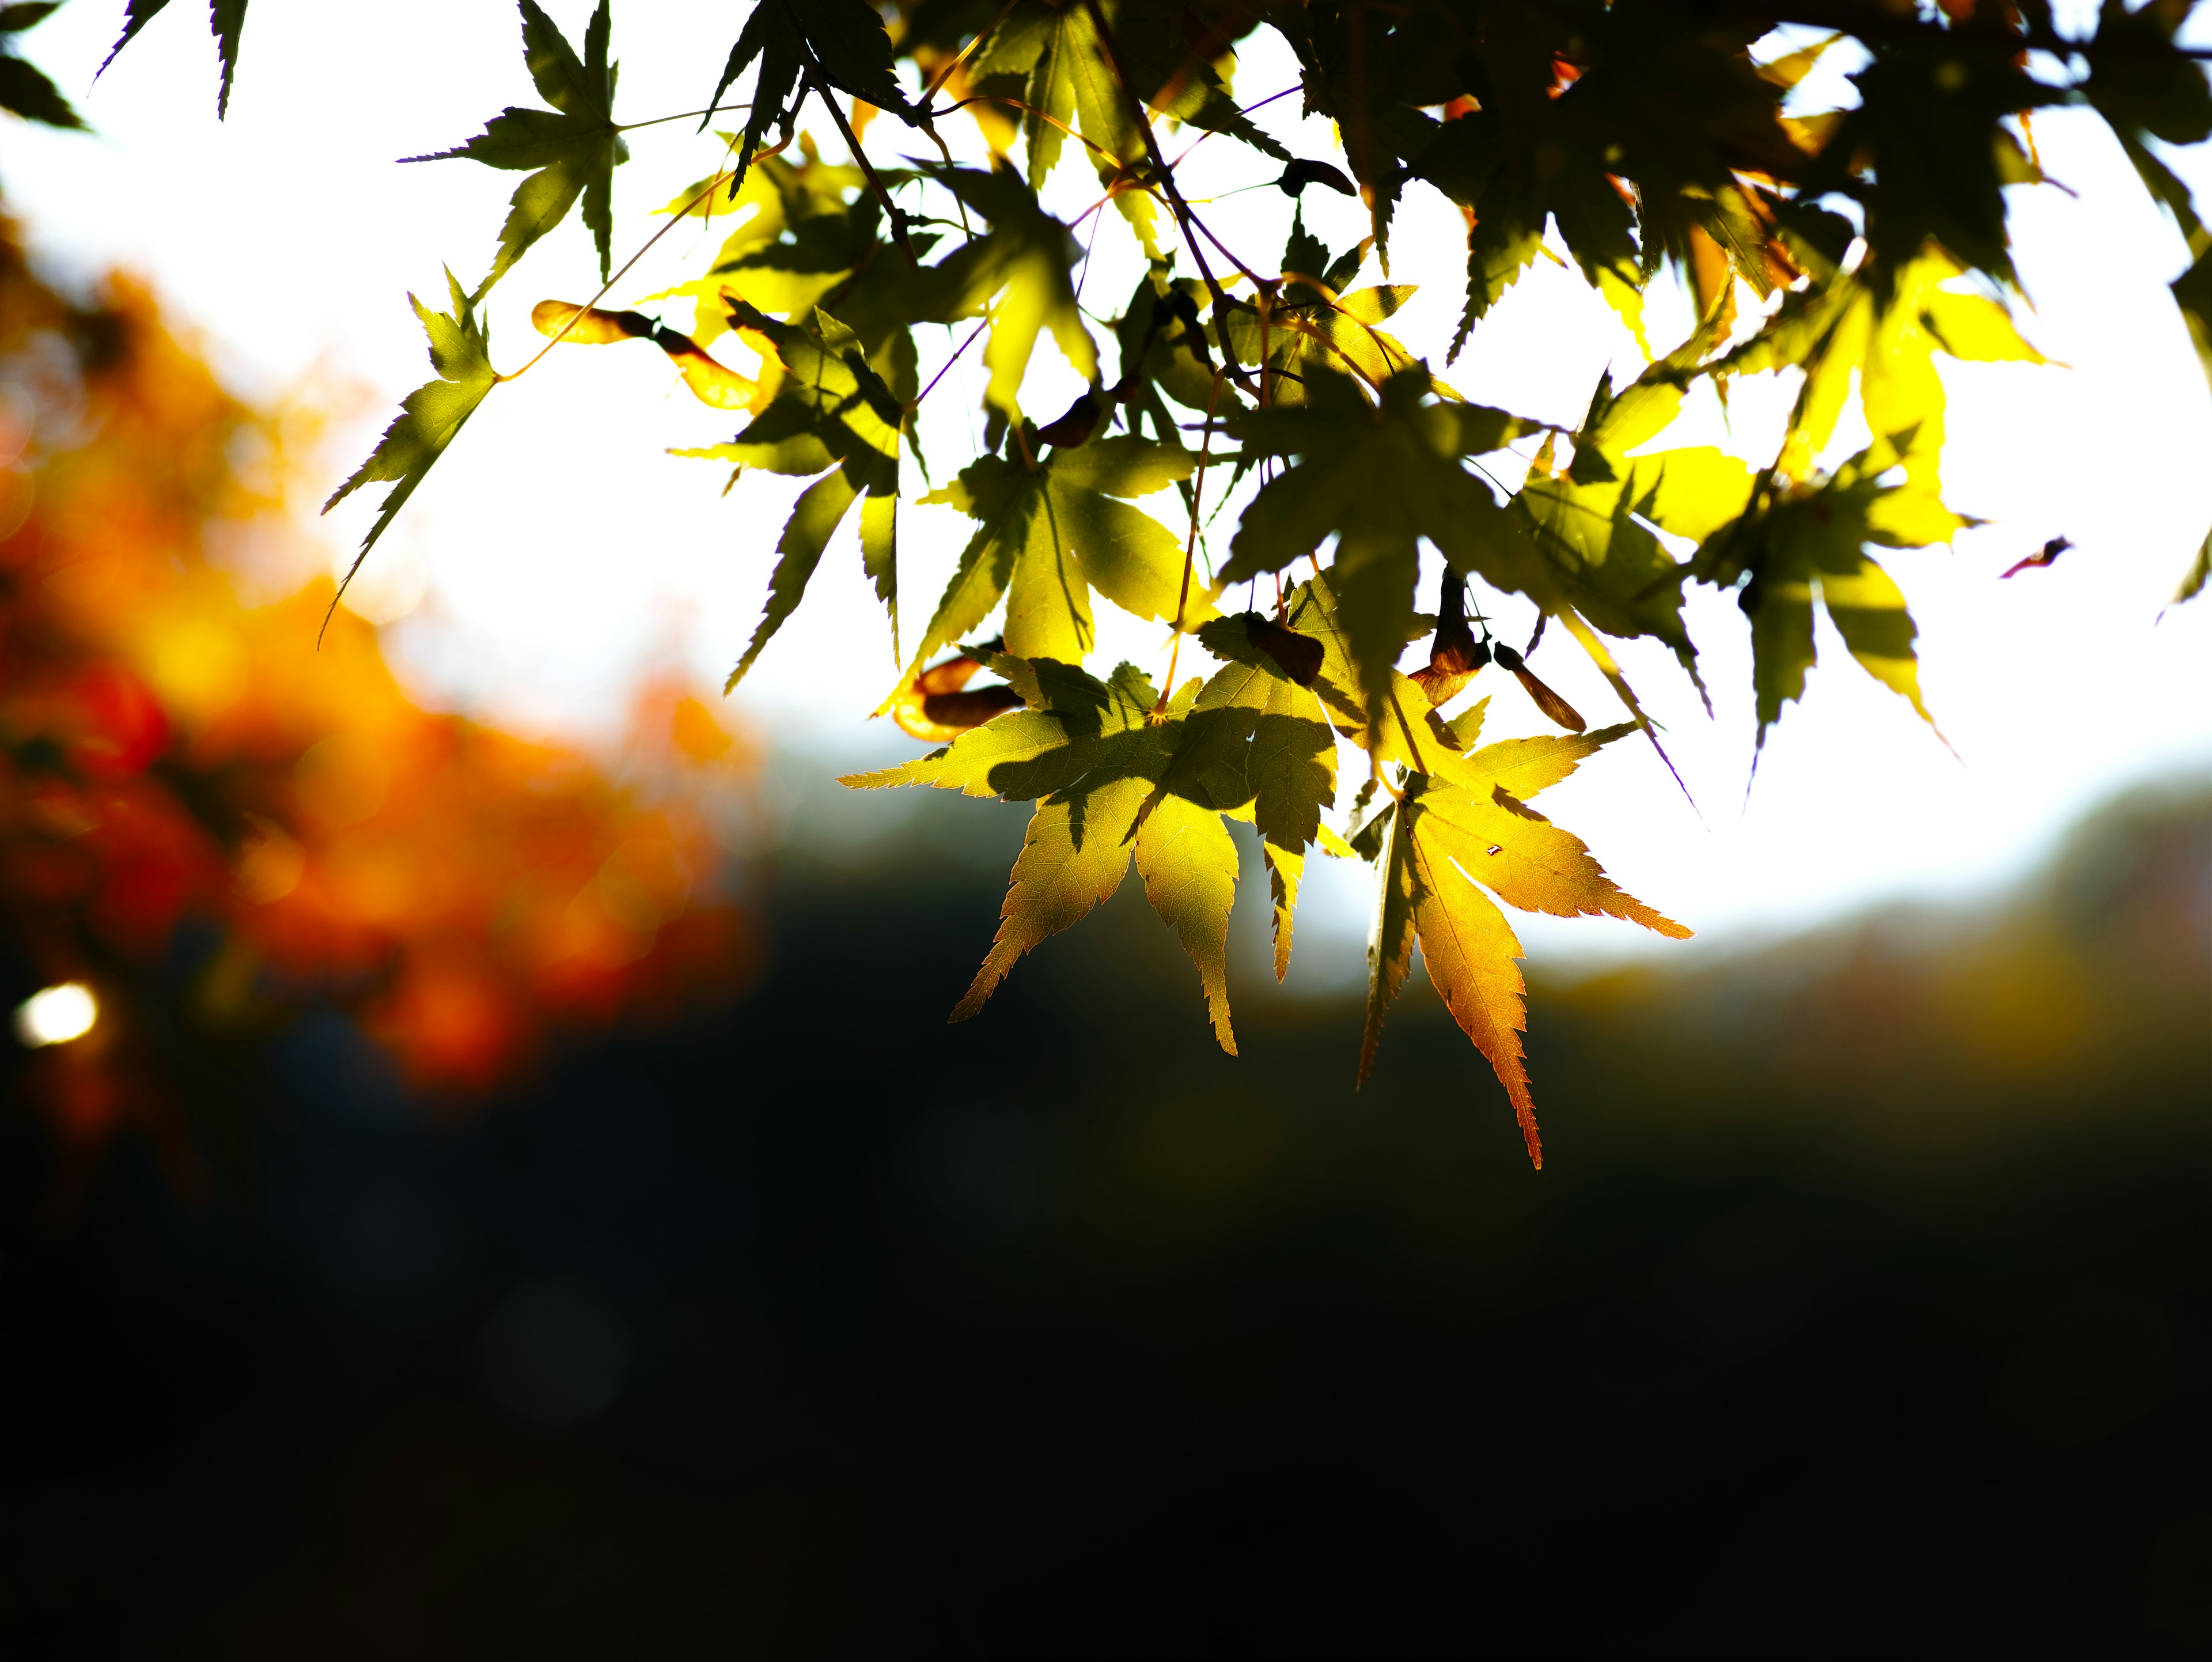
[(170, 753)]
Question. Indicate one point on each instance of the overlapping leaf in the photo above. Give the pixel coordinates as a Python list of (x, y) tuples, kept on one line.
[(1809, 543), (805, 228), (1017, 272), (832, 415), (1382, 477), (1094, 760), (841, 42), (1051, 533), (1050, 61)]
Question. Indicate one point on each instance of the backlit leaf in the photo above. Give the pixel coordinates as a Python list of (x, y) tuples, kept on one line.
[(569, 151), (431, 416)]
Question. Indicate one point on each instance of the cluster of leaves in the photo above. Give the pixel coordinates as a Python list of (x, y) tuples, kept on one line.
[(217, 828), (1852, 246)]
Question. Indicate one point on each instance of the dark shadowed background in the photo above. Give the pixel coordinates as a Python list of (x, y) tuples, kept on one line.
[(1862, 1309)]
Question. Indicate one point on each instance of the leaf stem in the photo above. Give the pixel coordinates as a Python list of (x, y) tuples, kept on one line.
[(659, 120), (1177, 204), (945, 73), (1190, 547), (949, 363), (1045, 116), (820, 81), (607, 287)]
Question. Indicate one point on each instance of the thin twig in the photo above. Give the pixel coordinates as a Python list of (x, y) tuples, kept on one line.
[(607, 287), (1045, 116), (949, 363), (1190, 547), (711, 109), (945, 74), (1167, 181), (820, 81)]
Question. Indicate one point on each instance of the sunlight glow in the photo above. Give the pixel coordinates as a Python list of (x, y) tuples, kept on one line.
[(561, 554), (55, 1015)]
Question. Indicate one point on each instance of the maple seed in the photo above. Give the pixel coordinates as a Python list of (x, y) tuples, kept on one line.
[(592, 327), (1075, 426), (1549, 702), (713, 383), (1299, 174), (1454, 656), (2045, 556), (937, 707), (1298, 656)]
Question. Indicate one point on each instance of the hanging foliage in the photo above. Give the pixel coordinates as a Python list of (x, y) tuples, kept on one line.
[(1854, 245)]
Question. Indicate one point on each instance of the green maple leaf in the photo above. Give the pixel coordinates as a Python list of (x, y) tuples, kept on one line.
[(1052, 61), (1925, 151), (569, 151), (24, 91), (1808, 543), (1592, 521), (1049, 535), (1019, 272), (843, 40), (1311, 336), (431, 416), (1160, 355), (226, 18), (1382, 477), (1850, 333), (1260, 748), (1094, 760), (832, 415), (805, 227), (1443, 848)]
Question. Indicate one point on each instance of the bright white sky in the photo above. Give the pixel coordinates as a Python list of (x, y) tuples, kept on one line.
[(556, 551)]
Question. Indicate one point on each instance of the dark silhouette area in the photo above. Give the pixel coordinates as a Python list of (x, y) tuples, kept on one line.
[(1861, 1310)]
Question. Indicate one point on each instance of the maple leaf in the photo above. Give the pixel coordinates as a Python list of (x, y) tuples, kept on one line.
[(1592, 522), (1017, 272), (1050, 60), (1849, 333), (842, 42), (1446, 846), (806, 227), (1310, 335), (1809, 542), (1924, 151), (1094, 759), (226, 18), (832, 416), (1050, 534), (1260, 748), (1382, 477), (24, 90), (569, 151), (431, 416)]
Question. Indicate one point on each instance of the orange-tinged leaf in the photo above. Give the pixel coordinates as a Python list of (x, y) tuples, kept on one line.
[(1501, 842), (1472, 954)]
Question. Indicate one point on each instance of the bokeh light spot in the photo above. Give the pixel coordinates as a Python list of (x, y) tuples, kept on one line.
[(55, 1015)]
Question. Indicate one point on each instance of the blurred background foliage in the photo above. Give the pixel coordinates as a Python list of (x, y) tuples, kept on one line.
[(217, 823), (1861, 1311)]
